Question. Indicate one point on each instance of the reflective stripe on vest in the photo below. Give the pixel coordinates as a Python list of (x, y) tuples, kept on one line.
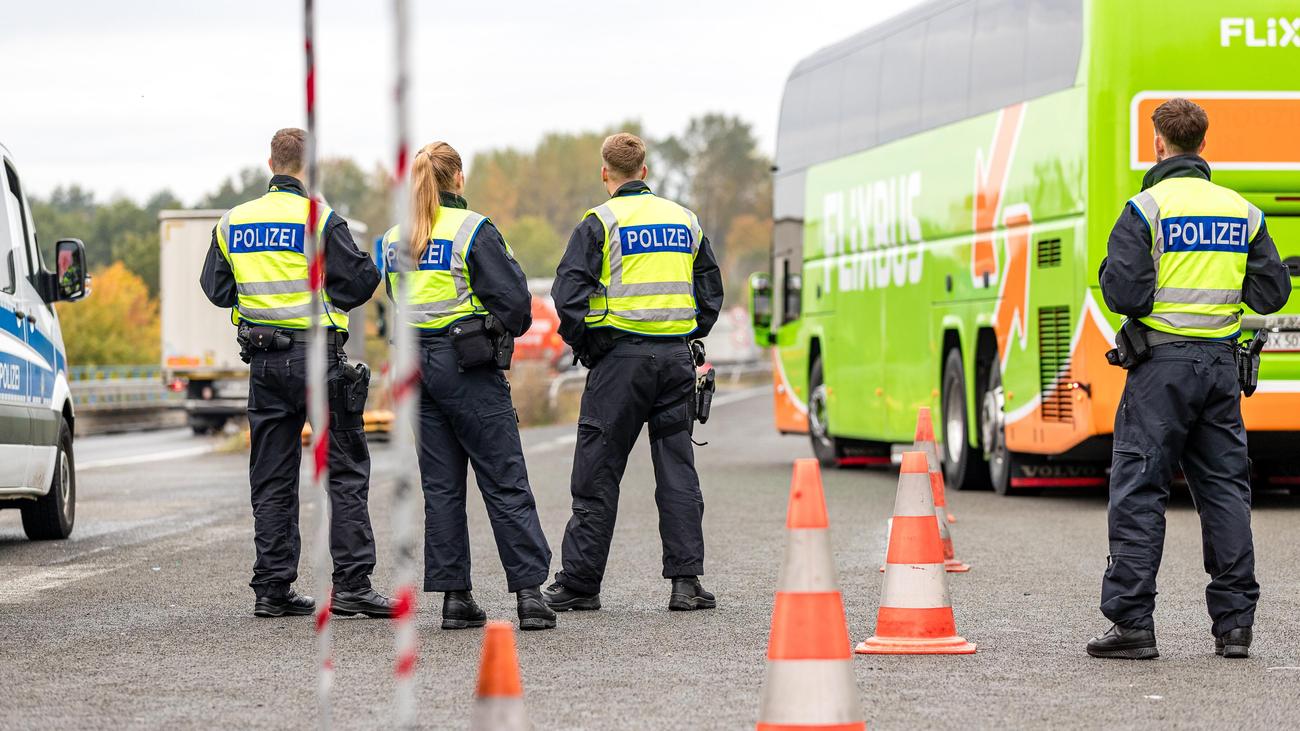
[(264, 240), (648, 269), (1200, 238), (440, 291)]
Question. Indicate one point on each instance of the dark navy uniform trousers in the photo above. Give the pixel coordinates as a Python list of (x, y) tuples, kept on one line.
[(641, 381), (467, 418), (277, 398), (1181, 407)]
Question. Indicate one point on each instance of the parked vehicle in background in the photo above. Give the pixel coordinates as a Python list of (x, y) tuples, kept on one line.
[(199, 352), (37, 469), (945, 184), (542, 342)]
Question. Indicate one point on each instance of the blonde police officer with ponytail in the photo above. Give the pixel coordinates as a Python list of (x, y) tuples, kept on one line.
[(257, 267), (637, 280), (1182, 260), (468, 299)]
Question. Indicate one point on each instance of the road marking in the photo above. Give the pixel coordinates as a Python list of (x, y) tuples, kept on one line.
[(145, 458), (552, 444), (731, 398), (25, 588), (1283, 667)]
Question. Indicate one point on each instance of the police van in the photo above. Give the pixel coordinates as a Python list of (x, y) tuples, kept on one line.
[(37, 474)]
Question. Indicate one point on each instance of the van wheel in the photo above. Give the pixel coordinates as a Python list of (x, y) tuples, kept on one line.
[(825, 446), (51, 517), (963, 465)]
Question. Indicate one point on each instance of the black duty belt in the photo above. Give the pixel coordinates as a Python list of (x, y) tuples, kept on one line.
[(1157, 337), (621, 335), (333, 337)]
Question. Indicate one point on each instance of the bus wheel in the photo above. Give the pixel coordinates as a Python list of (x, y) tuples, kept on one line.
[(823, 444), (1002, 462), (963, 465)]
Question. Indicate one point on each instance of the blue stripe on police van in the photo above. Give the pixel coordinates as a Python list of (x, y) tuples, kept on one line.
[(1228, 234), (248, 238), (658, 237)]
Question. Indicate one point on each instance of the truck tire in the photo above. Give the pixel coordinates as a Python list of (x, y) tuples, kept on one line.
[(825, 447), (963, 465), (1002, 462), (51, 517)]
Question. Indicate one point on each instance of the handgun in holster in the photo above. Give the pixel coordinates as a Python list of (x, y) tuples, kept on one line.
[(348, 396), (1248, 362), (705, 383)]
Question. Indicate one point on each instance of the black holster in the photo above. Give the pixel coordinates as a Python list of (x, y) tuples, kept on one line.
[(348, 396), (1131, 346), (705, 385), (1248, 362), (596, 344)]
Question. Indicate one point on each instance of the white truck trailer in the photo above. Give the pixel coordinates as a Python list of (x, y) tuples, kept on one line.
[(199, 352)]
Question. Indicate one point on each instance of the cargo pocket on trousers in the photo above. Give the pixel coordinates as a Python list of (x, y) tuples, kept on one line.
[(673, 419), (590, 458)]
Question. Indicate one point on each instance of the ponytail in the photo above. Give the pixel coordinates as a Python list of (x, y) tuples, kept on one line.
[(433, 171)]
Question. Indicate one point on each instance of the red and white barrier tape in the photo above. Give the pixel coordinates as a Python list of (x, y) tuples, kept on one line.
[(317, 385), (405, 372)]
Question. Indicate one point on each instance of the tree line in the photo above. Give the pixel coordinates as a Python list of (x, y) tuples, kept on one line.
[(535, 196)]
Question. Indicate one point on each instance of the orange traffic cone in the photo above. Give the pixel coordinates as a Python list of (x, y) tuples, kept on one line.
[(915, 615), (924, 442), (499, 701), (950, 562), (809, 682)]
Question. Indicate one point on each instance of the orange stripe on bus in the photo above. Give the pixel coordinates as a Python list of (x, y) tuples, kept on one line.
[(915, 623), (1242, 130), (808, 626), (914, 539)]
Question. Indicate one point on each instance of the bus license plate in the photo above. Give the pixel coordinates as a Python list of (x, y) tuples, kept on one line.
[(1284, 341)]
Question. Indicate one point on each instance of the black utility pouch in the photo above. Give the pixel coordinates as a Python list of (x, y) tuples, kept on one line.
[(472, 343), (1131, 346), (268, 339)]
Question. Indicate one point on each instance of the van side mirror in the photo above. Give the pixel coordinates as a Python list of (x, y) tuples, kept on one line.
[(71, 281), (760, 307)]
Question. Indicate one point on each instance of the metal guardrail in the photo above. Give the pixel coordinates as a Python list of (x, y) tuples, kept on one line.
[(121, 388)]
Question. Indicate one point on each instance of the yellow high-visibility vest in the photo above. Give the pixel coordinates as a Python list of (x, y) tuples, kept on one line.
[(439, 291), (1200, 237), (647, 280), (263, 241)]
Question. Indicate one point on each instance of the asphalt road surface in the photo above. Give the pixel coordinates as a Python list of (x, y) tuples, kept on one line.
[(144, 620)]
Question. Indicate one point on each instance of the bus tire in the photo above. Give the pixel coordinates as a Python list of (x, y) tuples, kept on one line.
[(1002, 462), (963, 465), (825, 447), (51, 517)]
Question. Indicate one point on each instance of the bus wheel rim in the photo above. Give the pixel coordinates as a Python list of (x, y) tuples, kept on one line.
[(817, 415)]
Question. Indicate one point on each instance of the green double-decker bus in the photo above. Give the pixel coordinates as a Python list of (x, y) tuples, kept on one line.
[(944, 186)]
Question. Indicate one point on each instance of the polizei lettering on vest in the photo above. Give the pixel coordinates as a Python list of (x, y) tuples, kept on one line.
[(871, 234), (658, 237), (248, 238), (1206, 233)]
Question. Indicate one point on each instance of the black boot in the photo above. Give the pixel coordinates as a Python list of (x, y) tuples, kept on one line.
[(1233, 643), (365, 601), (291, 604), (1124, 643), (688, 594), (459, 611), (533, 612), (561, 598)]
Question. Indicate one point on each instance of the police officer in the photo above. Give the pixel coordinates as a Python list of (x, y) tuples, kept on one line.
[(1183, 258), (637, 279), (256, 266), (468, 299)]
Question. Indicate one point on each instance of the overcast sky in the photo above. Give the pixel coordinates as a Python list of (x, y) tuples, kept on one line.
[(132, 96)]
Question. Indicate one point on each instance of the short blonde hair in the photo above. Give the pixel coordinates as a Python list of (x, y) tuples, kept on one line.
[(288, 150), (624, 154)]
